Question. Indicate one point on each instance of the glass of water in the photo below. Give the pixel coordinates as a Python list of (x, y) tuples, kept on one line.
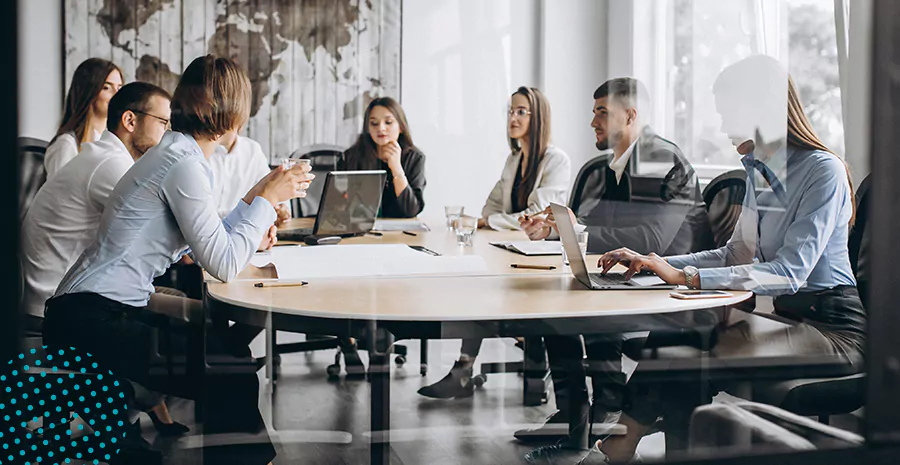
[(582, 245), (453, 212), (465, 230), (289, 163)]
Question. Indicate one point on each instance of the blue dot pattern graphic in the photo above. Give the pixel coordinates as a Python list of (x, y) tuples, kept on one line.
[(58, 406)]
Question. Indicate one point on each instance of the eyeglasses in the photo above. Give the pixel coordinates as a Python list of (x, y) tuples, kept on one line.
[(518, 113), (164, 121)]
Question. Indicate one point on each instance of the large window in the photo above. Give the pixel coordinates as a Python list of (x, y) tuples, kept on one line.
[(701, 37)]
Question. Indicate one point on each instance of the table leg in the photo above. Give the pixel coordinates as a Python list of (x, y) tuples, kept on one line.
[(380, 378)]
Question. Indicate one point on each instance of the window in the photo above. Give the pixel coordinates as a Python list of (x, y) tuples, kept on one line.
[(699, 38)]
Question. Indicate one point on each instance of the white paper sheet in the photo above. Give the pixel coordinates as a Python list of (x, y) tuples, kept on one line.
[(345, 261), (531, 248), (400, 225)]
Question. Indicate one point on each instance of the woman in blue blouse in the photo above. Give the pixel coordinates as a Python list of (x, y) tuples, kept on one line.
[(790, 241), (160, 210)]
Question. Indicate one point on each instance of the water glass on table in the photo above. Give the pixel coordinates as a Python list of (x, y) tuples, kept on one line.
[(465, 230), (582, 245), (289, 163), (453, 212)]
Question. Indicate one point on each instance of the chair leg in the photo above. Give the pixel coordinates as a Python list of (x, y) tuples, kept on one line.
[(423, 356)]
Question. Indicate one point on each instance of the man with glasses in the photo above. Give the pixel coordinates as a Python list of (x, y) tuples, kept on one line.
[(65, 213)]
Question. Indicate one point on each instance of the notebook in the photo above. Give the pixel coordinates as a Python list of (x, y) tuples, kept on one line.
[(531, 248)]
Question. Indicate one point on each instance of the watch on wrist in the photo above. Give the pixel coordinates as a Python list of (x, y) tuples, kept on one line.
[(690, 272)]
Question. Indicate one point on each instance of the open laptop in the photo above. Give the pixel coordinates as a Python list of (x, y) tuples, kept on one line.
[(596, 281), (349, 206)]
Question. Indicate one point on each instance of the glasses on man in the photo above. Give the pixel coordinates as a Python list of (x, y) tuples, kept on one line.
[(518, 113), (164, 121)]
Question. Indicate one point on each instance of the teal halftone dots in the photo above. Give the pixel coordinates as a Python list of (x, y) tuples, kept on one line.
[(59, 406)]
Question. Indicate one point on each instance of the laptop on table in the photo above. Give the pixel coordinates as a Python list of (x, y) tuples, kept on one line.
[(596, 281), (349, 206)]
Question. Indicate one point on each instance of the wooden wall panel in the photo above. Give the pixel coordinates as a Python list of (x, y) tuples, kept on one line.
[(76, 24)]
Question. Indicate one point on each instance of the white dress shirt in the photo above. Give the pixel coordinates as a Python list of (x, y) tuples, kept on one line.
[(618, 165), (236, 172), (161, 207), (62, 151), (64, 216)]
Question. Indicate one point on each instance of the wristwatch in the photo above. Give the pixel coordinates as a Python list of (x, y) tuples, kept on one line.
[(690, 272)]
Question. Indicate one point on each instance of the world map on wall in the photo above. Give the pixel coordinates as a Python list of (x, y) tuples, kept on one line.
[(313, 64)]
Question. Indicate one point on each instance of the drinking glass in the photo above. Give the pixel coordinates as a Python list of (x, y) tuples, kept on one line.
[(465, 230), (289, 163), (582, 238), (453, 212)]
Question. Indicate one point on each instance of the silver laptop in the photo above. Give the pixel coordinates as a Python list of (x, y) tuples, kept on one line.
[(596, 281)]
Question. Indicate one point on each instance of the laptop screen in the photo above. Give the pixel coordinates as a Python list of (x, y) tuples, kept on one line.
[(350, 203), (570, 243)]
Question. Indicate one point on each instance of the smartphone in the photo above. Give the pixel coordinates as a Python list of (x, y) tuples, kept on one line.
[(699, 294)]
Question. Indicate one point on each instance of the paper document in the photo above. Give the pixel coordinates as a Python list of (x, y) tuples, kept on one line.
[(347, 261), (531, 248), (400, 225)]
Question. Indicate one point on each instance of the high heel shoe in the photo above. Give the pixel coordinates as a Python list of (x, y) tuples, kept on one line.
[(167, 429)]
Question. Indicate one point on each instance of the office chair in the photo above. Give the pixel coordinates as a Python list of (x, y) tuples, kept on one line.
[(323, 158), (724, 197), (31, 171)]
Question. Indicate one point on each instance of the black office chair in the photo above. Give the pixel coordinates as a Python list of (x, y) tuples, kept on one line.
[(31, 171), (724, 197), (825, 397)]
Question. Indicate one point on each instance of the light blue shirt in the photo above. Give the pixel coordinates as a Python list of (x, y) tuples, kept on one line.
[(160, 208), (791, 237)]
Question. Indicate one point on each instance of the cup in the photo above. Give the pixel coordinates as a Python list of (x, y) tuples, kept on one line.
[(582, 238), (289, 163), (465, 230), (453, 212)]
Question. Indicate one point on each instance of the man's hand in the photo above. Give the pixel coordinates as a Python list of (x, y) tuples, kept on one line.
[(269, 239)]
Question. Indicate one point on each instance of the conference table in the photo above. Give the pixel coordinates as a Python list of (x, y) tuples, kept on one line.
[(499, 301)]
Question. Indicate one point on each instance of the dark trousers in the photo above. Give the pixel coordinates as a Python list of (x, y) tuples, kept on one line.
[(566, 354), (120, 338)]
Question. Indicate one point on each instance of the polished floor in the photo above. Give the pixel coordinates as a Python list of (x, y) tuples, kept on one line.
[(314, 421)]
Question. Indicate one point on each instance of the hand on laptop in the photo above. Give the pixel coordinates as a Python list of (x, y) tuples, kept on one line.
[(637, 263)]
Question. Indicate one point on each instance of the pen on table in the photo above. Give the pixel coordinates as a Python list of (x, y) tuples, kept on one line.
[(533, 267), (282, 284), (410, 233), (375, 233)]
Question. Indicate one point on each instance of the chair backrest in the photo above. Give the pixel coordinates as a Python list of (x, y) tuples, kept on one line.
[(585, 190), (724, 197), (31, 171), (859, 240), (323, 158)]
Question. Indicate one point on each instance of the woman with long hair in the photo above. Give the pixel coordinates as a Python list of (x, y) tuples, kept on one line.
[(385, 143), (95, 82), (161, 209), (789, 243), (536, 173)]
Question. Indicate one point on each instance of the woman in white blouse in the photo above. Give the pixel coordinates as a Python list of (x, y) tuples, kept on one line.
[(536, 173), (95, 82)]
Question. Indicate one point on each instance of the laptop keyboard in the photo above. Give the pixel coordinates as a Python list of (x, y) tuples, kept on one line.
[(294, 234), (610, 279)]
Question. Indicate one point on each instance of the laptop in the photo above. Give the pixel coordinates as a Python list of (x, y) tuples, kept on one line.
[(596, 281), (349, 206)]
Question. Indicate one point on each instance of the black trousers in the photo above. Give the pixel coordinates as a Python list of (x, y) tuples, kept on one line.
[(566, 354), (120, 338)]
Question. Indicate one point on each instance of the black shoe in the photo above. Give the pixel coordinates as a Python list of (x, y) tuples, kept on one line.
[(167, 429), (352, 363), (556, 427), (457, 384), (135, 450)]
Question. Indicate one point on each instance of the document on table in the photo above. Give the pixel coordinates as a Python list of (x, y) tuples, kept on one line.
[(348, 261), (400, 225), (531, 248)]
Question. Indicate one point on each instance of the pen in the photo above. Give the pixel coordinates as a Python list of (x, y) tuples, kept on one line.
[(533, 267), (282, 284), (375, 233), (409, 233)]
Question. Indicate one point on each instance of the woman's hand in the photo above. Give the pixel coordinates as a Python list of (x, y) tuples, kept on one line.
[(482, 223), (281, 185), (536, 227), (637, 263), (269, 239), (284, 214), (390, 154)]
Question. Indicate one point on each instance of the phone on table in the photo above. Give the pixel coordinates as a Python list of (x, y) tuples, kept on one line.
[(688, 294)]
